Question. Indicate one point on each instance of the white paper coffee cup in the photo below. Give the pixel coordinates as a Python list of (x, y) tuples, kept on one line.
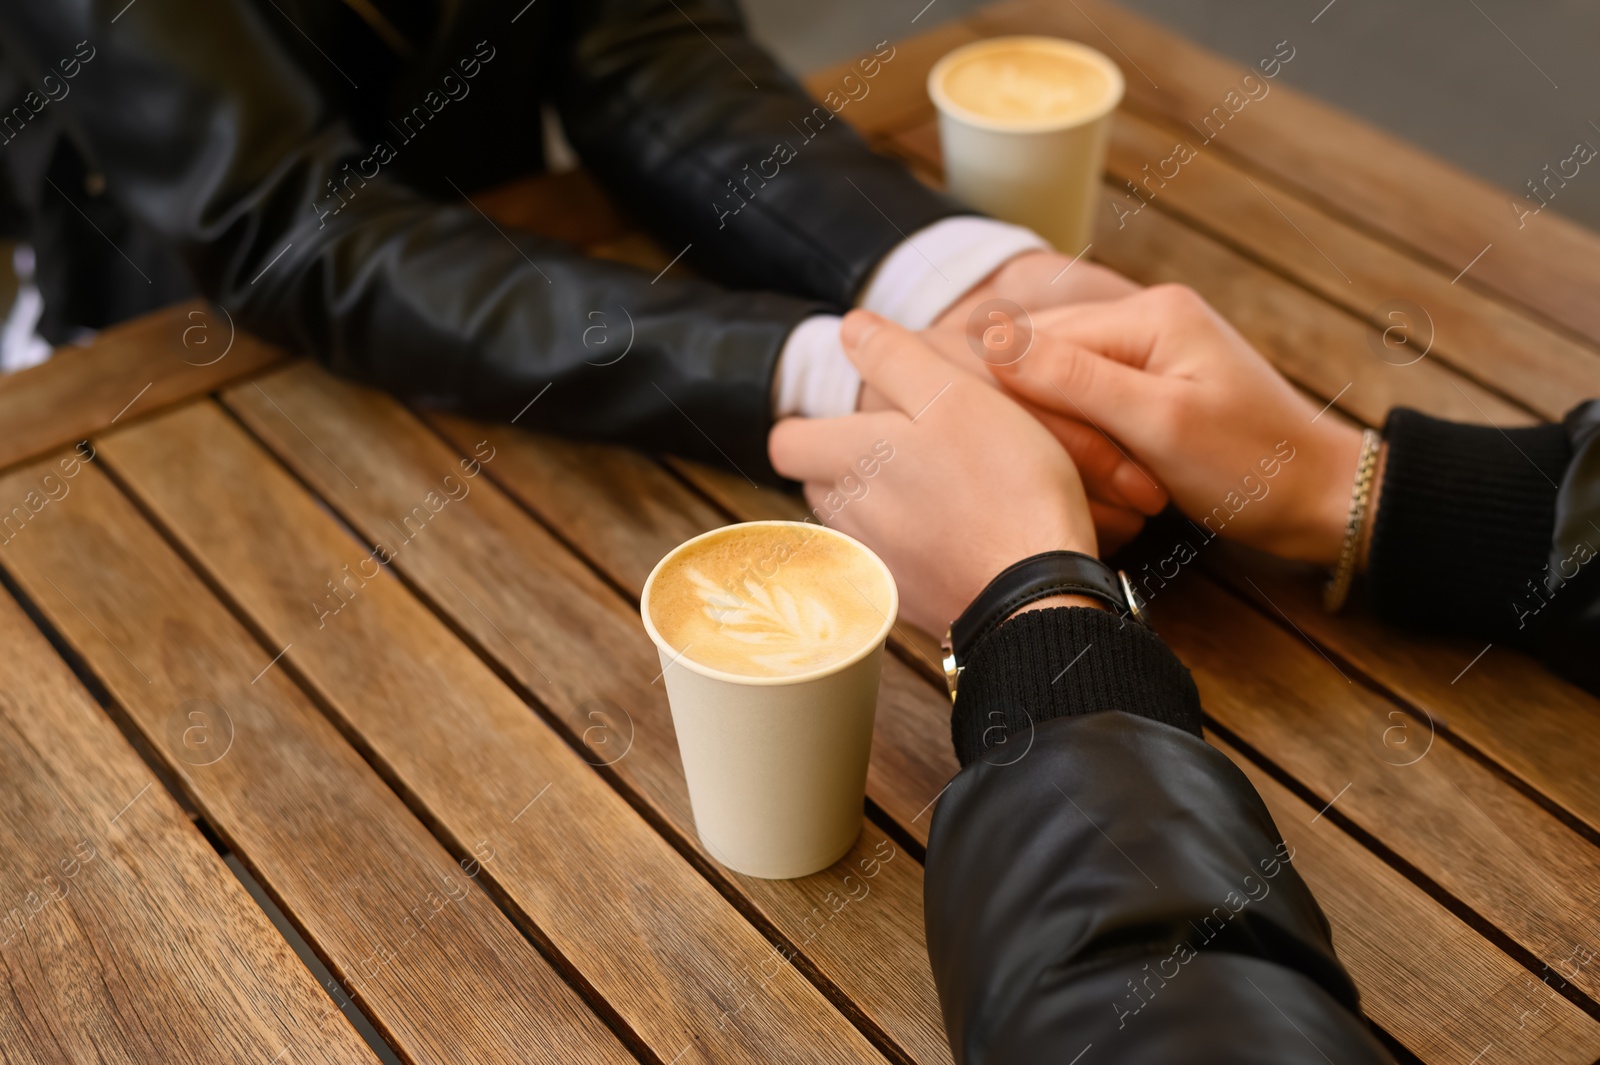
[(1041, 173), (776, 766)]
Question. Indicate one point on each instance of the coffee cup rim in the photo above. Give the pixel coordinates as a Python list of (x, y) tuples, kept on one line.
[(890, 616), (947, 106)]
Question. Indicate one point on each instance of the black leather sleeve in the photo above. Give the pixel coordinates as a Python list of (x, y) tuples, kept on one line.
[(681, 115), (1494, 534), (1103, 886), (212, 135)]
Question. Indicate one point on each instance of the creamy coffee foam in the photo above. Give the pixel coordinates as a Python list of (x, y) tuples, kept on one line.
[(770, 600), (1027, 82)]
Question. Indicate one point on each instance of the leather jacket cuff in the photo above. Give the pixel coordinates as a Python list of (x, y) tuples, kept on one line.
[(1464, 525), (1061, 662)]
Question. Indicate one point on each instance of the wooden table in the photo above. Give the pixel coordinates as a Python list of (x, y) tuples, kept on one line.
[(456, 775)]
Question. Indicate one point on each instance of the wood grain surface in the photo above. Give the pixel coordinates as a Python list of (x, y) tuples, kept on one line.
[(1499, 701), (545, 620), (1425, 976), (123, 936), (404, 929), (124, 373), (585, 873), (1445, 813)]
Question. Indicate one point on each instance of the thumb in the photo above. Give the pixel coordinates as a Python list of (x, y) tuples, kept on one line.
[(895, 361)]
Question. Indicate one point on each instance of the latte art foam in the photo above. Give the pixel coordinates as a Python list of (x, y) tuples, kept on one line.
[(770, 600), (1027, 82)]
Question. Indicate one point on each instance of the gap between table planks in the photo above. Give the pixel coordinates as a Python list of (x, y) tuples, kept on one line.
[(515, 592), (126, 937), (339, 852), (588, 877)]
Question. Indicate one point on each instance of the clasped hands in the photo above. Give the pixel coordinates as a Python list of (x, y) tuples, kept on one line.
[(955, 466)]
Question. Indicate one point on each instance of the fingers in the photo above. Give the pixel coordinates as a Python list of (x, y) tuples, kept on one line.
[(896, 363), (1074, 381), (824, 449), (1114, 526), (1126, 329), (1108, 474)]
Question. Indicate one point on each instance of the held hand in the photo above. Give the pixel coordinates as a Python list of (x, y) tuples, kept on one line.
[(952, 485), (1188, 397), (1039, 280), (1120, 494)]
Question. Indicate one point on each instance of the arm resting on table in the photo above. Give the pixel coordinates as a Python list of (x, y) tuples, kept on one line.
[(1100, 876)]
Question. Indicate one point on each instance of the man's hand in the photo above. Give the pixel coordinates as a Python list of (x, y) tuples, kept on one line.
[(1120, 494), (1239, 449), (1038, 280), (950, 485)]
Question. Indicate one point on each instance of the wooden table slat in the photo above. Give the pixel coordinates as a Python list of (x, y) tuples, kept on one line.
[(124, 938), (1391, 936), (1399, 192), (545, 620), (1454, 819), (1539, 728), (571, 858), (127, 371), (413, 938), (896, 94)]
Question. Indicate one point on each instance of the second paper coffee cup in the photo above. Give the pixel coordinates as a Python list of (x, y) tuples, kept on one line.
[(1023, 126), (771, 640)]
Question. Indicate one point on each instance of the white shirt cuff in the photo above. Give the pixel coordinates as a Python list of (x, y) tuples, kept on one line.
[(814, 377), (915, 283), (938, 264)]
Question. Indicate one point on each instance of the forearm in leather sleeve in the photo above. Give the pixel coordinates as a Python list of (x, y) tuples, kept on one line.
[(1103, 885), (694, 127), (211, 135)]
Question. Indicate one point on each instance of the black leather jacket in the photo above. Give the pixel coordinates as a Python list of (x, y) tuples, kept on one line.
[(306, 168)]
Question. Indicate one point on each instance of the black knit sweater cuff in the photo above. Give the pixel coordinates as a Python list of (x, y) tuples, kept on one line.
[(1464, 524), (1061, 662)]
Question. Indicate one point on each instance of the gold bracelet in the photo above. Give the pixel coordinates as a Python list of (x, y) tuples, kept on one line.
[(1338, 589)]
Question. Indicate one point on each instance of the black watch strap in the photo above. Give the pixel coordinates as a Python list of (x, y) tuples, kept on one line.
[(1032, 579)]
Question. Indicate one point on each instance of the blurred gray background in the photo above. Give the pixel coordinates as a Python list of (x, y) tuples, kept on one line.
[(1499, 87)]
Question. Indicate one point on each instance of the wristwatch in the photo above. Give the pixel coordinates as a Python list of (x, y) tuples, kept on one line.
[(1028, 581)]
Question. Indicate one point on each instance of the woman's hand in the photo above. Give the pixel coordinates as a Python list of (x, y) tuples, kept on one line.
[(951, 486), (1188, 397)]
